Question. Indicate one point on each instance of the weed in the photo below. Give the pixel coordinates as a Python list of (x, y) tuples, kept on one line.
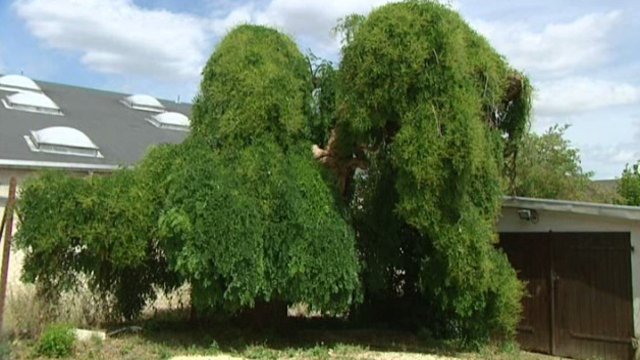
[(56, 341), (343, 350), (28, 313), (214, 347), (163, 352), (126, 349), (23, 315), (5, 350), (318, 352), (260, 352)]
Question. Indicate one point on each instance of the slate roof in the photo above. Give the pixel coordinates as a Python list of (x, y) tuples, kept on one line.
[(122, 134)]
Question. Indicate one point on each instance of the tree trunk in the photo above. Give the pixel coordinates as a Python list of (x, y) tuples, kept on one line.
[(265, 314)]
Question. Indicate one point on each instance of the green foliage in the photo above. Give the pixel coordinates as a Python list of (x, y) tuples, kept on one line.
[(323, 118), (243, 212), (5, 350), (256, 83), (549, 167), (430, 100), (56, 341), (254, 219), (629, 186), (347, 27), (100, 229), (240, 209)]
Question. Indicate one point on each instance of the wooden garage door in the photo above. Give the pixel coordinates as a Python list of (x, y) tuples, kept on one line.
[(529, 255), (580, 289)]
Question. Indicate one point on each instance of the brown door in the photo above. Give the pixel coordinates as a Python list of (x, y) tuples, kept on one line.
[(579, 284), (592, 285), (529, 255)]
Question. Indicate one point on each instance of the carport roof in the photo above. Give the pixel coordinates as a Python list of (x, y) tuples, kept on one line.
[(575, 207)]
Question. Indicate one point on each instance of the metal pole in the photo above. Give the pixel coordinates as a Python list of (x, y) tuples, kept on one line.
[(6, 248)]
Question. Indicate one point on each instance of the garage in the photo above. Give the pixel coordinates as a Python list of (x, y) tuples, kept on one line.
[(579, 263)]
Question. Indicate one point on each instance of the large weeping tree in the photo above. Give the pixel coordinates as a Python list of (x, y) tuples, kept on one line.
[(426, 110), (432, 115), (241, 210), (250, 217)]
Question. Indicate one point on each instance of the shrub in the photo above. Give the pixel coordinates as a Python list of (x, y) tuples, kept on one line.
[(98, 232), (56, 341)]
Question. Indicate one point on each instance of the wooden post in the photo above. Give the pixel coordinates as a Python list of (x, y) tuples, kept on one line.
[(4, 217), (6, 248)]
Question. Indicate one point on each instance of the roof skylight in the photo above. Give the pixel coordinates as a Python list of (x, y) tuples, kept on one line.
[(143, 102), (170, 120), (18, 83), (62, 140), (32, 102)]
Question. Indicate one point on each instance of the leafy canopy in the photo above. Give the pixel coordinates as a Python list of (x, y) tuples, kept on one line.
[(629, 186), (240, 210), (549, 167), (256, 84), (432, 103), (101, 230)]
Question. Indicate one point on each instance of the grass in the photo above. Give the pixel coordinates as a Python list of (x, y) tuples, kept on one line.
[(164, 337), (56, 341), (166, 333)]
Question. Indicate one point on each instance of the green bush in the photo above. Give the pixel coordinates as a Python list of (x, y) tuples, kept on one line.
[(101, 230), (629, 185), (56, 341)]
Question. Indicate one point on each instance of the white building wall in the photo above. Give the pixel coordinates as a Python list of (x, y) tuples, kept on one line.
[(559, 221)]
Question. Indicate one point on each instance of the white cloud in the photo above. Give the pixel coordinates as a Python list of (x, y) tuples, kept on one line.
[(309, 22), (240, 15), (559, 48), (579, 94), (116, 36), (609, 159), (312, 18)]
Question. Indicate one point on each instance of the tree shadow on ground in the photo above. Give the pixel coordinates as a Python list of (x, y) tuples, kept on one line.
[(174, 331)]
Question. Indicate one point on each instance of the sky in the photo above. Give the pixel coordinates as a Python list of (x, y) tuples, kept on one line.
[(583, 57)]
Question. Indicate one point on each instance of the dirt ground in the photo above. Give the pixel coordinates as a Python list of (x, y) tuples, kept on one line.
[(376, 355), (364, 356)]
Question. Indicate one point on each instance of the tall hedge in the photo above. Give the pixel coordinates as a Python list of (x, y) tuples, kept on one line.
[(432, 103)]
